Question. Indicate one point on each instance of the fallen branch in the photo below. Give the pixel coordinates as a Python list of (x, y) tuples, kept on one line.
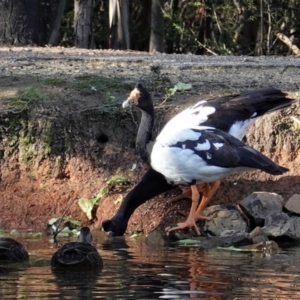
[(206, 48), (289, 43)]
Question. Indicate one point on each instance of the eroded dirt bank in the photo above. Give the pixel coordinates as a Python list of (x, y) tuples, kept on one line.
[(63, 133)]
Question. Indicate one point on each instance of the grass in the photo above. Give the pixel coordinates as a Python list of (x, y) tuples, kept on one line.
[(43, 90), (27, 97), (54, 81), (93, 84), (159, 80)]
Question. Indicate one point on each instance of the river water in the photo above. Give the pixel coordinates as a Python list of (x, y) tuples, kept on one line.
[(134, 269)]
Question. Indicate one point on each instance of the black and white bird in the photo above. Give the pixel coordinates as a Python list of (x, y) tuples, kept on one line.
[(195, 155), (230, 115)]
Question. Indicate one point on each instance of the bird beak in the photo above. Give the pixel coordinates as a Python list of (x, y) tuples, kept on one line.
[(126, 103)]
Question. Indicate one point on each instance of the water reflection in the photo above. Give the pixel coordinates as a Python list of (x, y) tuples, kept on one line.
[(134, 270), (76, 284)]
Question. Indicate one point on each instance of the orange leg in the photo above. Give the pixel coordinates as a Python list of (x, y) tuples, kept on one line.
[(190, 221), (208, 191), (186, 193)]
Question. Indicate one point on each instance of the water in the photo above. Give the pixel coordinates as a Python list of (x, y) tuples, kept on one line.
[(135, 270)]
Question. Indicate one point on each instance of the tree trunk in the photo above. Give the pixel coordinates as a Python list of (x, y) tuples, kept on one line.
[(260, 33), (248, 37), (83, 14), (157, 27), (119, 24), (54, 37), (140, 22), (22, 23), (205, 29)]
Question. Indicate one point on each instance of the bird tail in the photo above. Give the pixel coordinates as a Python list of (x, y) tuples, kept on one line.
[(254, 159), (275, 169), (267, 100)]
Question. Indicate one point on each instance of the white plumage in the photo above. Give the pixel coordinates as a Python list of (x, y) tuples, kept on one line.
[(185, 165)]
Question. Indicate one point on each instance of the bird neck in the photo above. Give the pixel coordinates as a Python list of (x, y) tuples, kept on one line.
[(144, 135), (151, 185)]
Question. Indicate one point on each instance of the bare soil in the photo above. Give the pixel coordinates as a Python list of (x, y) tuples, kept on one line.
[(64, 134)]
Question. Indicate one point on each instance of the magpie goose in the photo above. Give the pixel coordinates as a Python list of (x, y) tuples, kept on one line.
[(232, 114), (202, 154)]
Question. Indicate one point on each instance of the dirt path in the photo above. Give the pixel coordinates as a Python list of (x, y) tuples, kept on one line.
[(207, 73)]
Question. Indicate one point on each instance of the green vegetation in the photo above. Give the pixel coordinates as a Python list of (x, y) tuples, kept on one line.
[(26, 143), (54, 81), (88, 205), (219, 27), (45, 138), (110, 104), (94, 84), (64, 226), (27, 98), (158, 80), (188, 243)]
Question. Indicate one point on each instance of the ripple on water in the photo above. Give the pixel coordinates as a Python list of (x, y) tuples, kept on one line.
[(134, 270)]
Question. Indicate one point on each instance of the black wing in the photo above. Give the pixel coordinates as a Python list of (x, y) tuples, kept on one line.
[(224, 150), (244, 106)]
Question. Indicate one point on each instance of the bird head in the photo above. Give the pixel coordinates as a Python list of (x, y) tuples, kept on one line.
[(139, 97), (85, 236), (113, 228)]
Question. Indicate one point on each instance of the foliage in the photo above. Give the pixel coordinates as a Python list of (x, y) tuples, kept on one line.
[(26, 98), (210, 27), (88, 205), (178, 87), (188, 243), (62, 226), (158, 80)]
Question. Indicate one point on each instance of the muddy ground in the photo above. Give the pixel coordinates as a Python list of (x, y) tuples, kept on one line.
[(64, 134)]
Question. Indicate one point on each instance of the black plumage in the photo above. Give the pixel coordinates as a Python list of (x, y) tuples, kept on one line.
[(12, 250), (241, 107), (229, 152), (78, 254)]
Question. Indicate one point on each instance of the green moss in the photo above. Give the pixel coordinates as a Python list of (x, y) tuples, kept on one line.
[(46, 137), (26, 141)]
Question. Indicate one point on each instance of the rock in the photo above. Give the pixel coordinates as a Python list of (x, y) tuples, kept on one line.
[(223, 219), (156, 237), (281, 225), (294, 228), (258, 236), (234, 238), (259, 205), (276, 224), (293, 204), (228, 238)]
